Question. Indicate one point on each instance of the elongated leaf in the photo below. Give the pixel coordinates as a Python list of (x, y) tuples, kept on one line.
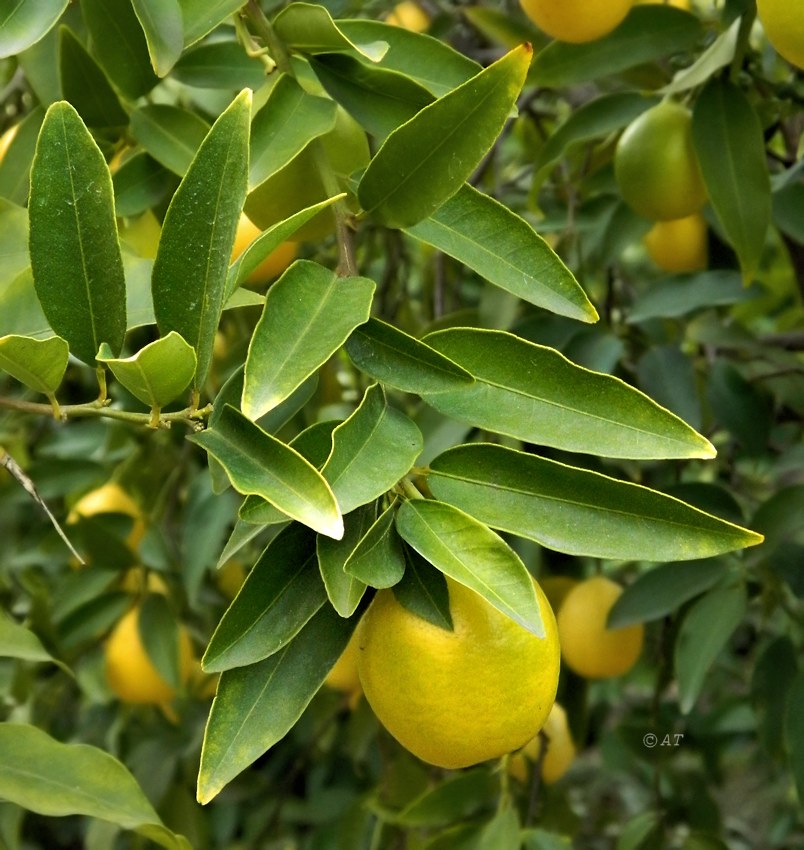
[(202, 16), (534, 393), (719, 54), (159, 633), (18, 642), (472, 554), (379, 558), (75, 255), (189, 274), (38, 363), (426, 161), (161, 22), (730, 146), (502, 247), (171, 135), (260, 464), (24, 22), (256, 706), (15, 166), (423, 591), (55, 779), (344, 591), (371, 451), (577, 511), (140, 184), (219, 65), (14, 257)]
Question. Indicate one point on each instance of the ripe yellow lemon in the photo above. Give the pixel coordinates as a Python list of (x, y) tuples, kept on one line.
[(560, 752), (656, 166), (344, 676), (409, 15), (679, 245), (588, 647), (576, 21), (457, 698), (111, 498), (274, 264), (783, 22), (131, 674)]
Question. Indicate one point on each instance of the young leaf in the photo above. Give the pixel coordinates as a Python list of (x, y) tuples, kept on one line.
[(379, 558), (171, 135), (344, 591), (75, 255), (426, 161), (38, 363), (24, 22), (161, 21), (189, 274)]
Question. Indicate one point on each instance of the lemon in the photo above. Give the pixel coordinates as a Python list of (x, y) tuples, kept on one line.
[(679, 245), (588, 647), (656, 166), (344, 675), (229, 578), (576, 21), (274, 264), (457, 698), (409, 15), (131, 674), (111, 498), (556, 589), (560, 752), (783, 22)]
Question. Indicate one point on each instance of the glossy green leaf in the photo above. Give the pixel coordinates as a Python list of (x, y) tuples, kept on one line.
[(456, 798), (472, 554), (730, 145), (378, 559), (740, 406), (259, 464), (140, 184), (309, 313), (774, 671), (344, 591), (75, 255), (256, 706), (189, 275), (171, 135), (794, 731), (38, 363), (15, 166), (158, 373), (719, 54), (577, 511), (704, 633), (219, 65), (161, 22), (423, 591), (18, 642), (500, 246), (647, 34), (202, 16), (20, 310), (534, 393), (426, 161), (388, 354), (24, 22), (371, 451), (279, 596), (50, 778)]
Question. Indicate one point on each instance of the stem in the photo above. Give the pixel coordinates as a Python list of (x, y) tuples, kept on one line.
[(262, 26), (101, 374), (746, 22), (410, 490)]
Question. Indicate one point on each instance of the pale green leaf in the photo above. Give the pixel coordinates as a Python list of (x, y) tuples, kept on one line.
[(161, 21), (219, 65), (38, 363), (170, 134), (18, 642), (719, 54), (24, 22)]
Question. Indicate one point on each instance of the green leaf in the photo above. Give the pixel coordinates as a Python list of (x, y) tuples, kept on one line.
[(75, 255), (472, 554), (794, 732), (15, 166), (260, 464), (219, 65), (637, 830), (279, 596), (157, 373), (500, 246), (388, 354), (14, 257), (18, 642), (50, 778), (159, 634), (171, 135), (728, 140), (140, 184), (456, 798), (202, 16), (577, 511), (719, 54), (371, 451), (378, 559), (256, 706), (24, 22), (344, 591), (423, 591), (161, 22), (668, 376), (189, 274), (534, 393), (775, 669), (309, 313), (704, 632), (20, 310), (38, 363), (426, 161)]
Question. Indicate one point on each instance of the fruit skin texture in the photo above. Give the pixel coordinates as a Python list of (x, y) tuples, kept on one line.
[(783, 22), (111, 498), (560, 753), (656, 166), (678, 245), (589, 648), (457, 698), (274, 264), (129, 671), (576, 21), (409, 15)]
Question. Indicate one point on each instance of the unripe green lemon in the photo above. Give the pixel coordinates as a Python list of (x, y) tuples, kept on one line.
[(576, 21)]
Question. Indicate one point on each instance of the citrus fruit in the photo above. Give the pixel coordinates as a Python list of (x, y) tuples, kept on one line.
[(6, 139), (229, 578), (783, 22), (274, 264), (556, 589), (588, 647), (560, 749), (111, 498), (679, 4), (679, 245), (656, 166), (139, 580), (457, 698), (344, 675), (131, 674), (409, 15), (576, 21)]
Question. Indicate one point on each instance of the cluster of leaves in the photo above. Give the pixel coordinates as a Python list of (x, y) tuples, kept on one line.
[(430, 344)]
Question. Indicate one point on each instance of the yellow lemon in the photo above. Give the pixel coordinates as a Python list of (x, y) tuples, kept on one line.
[(344, 676), (111, 498), (576, 21), (409, 15), (457, 698), (556, 589), (229, 578), (783, 22), (138, 580), (560, 752), (274, 264), (679, 245)]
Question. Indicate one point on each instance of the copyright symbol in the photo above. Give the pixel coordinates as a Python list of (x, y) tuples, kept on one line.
[(650, 740)]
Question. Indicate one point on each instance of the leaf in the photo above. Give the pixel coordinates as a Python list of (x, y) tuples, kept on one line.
[(140, 184), (309, 313), (379, 558), (500, 246), (219, 65), (161, 22), (75, 255), (423, 591), (18, 642), (344, 591), (256, 706), (719, 54), (578, 511), (157, 373), (794, 732), (455, 799), (371, 451), (202, 16), (24, 22), (159, 634), (171, 135), (534, 393), (15, 166), (189, 274), (50, 778), (704, 632), (668, 376), (260, 464), (472, 554), (426, 161), (728, 140), (38, 363)]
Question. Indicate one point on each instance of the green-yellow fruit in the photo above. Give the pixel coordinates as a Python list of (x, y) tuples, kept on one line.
[(111, 498), (783, 22), (576, 21), (274, 264), (560, 753), (679, 245)]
